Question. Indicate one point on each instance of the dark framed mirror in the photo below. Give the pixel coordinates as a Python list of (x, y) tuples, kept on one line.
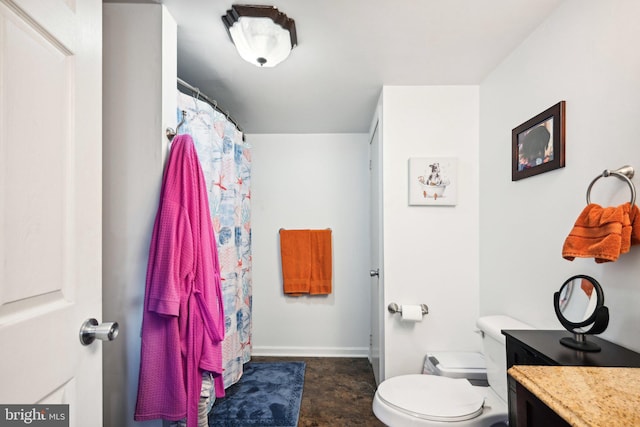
[(579, 305)]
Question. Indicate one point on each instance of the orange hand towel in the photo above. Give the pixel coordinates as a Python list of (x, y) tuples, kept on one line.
[(321, 265), (627, 230), (634, 217), (306, 261), (599, 233), (295, 253)]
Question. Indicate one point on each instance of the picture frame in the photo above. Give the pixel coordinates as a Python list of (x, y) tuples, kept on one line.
[(538, 145), (433, 181)]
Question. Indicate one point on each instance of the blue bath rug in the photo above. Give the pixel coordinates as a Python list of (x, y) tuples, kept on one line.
[(267, 395)]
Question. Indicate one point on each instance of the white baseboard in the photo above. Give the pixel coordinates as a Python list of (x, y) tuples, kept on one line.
[(310, 351)]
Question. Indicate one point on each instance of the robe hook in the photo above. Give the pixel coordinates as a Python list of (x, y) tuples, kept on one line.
[(172, 133)]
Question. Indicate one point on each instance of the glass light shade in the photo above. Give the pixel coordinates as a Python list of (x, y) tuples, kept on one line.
[(260, 41), (262, 35)]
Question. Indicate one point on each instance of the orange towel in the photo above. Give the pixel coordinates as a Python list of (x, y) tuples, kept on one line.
[(321, 265), (295, 252), (634, 217), (603, 233), (306, 261)]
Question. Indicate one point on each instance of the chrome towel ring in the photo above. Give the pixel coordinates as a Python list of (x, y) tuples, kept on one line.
[(624, 173)]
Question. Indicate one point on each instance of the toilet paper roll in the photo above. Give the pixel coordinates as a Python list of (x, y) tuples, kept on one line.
[(411, 313)]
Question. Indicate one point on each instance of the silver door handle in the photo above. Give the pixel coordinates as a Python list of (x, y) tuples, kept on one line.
[(374, 273), (91, 329)]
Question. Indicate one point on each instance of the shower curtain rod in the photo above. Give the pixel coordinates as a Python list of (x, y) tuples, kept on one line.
[(212, 102)]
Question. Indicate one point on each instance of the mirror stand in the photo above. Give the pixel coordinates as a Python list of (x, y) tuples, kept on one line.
[(579, 305), (579, 342)]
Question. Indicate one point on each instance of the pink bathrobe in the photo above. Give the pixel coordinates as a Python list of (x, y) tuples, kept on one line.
[(183, 318)]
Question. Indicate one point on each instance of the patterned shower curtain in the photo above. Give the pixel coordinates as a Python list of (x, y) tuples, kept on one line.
[(226, 164)]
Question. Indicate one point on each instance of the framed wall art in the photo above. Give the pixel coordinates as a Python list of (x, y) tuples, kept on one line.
[(433, 181), (537, 145)]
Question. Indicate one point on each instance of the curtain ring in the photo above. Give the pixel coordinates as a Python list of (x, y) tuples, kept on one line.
[(621, 175)]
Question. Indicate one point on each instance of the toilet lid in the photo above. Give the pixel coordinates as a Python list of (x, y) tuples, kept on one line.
[(432, 397)]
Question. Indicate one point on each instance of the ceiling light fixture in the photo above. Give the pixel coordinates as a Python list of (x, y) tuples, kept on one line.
[(262, 35)]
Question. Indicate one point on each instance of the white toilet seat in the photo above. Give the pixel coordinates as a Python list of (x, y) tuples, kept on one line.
[(432, 398)]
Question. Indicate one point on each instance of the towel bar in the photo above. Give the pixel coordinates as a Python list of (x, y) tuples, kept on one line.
[(395, 308), (624, 173)]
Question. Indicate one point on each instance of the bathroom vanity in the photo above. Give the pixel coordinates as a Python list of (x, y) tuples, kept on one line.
[(558, 396), (543, 348)]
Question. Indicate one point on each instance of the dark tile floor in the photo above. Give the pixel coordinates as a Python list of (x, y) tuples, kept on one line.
[(337, 391)]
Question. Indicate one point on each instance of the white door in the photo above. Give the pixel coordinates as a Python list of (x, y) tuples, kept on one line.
[(50, 204), (376, 350)]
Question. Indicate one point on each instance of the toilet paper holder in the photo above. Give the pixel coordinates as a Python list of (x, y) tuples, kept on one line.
[(395, 308)]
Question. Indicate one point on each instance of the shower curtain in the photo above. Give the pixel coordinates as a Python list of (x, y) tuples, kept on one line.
[(226, 164)]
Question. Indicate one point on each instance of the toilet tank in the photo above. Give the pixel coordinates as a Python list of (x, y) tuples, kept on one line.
[(494, 349)]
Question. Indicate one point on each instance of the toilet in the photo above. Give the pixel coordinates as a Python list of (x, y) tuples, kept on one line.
[(462, 388)]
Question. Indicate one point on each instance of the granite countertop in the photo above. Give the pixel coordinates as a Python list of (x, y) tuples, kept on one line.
[(585, 396)]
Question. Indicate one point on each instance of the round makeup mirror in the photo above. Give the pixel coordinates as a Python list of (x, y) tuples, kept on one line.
[(579, 305)]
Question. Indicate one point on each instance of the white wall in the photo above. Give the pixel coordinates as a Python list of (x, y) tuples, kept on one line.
[(585, 53), (430, 252), (139, 93), (311, 181)]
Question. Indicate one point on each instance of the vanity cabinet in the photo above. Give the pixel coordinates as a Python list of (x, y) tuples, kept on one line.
[(531, 411), (542, 347)]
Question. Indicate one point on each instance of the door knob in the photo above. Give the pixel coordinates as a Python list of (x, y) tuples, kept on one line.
[(374, 273), (91, 329)]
